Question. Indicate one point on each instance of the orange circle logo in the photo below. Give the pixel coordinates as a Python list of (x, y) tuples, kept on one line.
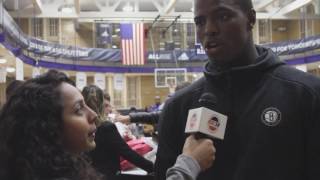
[(213, 124)]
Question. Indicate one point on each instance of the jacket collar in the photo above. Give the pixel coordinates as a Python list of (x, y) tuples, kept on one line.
[(267, 60)]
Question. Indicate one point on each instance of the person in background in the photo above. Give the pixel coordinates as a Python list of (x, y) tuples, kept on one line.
[(156, 105), (139, 117), (45, 127), (108, 106), (110, 145), (273, 125), (147, 117)]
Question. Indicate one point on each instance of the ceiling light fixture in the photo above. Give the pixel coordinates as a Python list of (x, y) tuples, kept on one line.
[(3, 61), (127, 8), (67, 9)]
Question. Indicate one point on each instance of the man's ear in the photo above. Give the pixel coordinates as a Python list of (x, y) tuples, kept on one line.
[(251, 18)]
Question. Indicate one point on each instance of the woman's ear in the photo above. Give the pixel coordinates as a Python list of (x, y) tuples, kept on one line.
[(251, 18)]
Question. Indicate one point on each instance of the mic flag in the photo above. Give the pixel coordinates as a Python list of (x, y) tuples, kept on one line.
[(206, 121)]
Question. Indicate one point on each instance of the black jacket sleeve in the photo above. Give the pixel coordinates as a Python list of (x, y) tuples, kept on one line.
[(312, 144), (145, 117), (126, 152)]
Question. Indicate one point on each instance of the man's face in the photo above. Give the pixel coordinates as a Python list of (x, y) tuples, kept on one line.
[(223, 28)]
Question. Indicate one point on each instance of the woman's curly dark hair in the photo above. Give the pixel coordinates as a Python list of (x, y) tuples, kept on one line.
[(30, 134)]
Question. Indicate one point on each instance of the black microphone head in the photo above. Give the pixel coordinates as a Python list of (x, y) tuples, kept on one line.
[(208, 98)]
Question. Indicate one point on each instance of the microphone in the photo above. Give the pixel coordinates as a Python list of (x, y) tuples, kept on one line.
[(206, 121), (208, 99)]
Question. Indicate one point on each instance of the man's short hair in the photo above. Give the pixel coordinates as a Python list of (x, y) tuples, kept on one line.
[(245, 5)]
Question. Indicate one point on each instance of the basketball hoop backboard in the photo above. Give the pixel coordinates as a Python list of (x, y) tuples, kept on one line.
[(169, 77)]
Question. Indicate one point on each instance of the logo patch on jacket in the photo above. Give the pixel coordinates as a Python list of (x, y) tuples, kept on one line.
[(271, 116)]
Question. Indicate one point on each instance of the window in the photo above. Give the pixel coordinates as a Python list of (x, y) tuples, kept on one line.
[(53, 27), (190, 30), (175, 30), (163, 34), (302, 28), (37, 30), (132, 91), (264, 31), (117, 98), (176, 36), (118, 90), (190, 36), (310, 24)]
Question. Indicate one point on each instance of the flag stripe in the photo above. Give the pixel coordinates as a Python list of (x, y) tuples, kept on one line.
[(132, 44), (142, 49), (135, 45), (131, 52), (139, 56), (138, 44)]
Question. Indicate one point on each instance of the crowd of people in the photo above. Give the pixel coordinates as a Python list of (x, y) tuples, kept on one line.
[(110, 146), (49, 130)]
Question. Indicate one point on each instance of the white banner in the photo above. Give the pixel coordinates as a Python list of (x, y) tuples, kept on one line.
[(81, 80), (19, 70), (118, 81), (100, 80)]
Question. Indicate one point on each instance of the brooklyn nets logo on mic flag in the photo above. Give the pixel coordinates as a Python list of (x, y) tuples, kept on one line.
[(132, 44)]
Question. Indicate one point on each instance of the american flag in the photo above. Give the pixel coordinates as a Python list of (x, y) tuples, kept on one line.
[(132, 44)]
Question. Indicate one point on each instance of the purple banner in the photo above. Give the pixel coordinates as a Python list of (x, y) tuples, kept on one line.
[(104, 33)]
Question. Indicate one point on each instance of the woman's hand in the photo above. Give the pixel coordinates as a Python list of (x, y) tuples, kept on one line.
[(202, 150)]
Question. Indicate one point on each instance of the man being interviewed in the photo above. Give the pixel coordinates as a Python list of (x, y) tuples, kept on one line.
[(273, 110)]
